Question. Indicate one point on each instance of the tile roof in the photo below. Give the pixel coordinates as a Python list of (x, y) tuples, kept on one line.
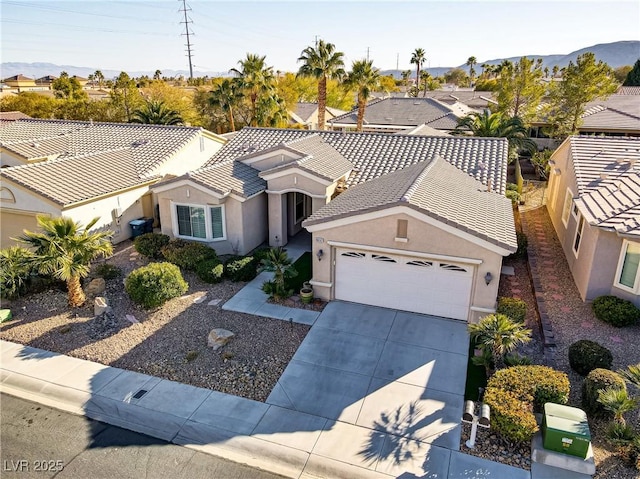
[(12, 115), (70, 180), (614, 205), (377, 154), (601, 117), (304, 111), (425, 130), (406, 112), (472, 99), (151, 144), (629, 90), (230, 177), (437, 189), (318, 157), (19, 77)]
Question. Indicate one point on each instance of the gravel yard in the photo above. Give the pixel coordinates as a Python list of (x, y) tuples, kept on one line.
[(169, 342)]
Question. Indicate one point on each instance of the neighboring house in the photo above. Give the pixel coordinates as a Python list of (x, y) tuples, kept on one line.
[(424, 130), (594, 204), (22, 83), (477, 100), (392, 115), (46, 81), (7, 116), (306, 114), (411, 222), (85, 169)]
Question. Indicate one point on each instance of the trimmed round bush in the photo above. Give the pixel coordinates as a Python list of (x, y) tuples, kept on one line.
[(515, 393), (151, 244), (187, 254), (514, 308), (595, 381), (210, 270), (155, 284), (615, 311), (241, 268), (586, 355)]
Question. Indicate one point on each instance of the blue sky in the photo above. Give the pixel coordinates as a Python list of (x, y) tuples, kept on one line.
[(145, 35)]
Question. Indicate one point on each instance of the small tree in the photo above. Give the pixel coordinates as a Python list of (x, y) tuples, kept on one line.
[(500, 335), (279, 262), (633, 77), (64, 249)]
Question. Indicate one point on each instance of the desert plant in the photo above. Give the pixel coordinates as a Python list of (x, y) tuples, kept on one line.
[(510, 417), (187, 254), (240, 268), (500, 335), (618, 402), (516, 360), (631, 374), (64, 250), (279, 262), (514, 308), (151, 244), (597, 380), (16, 268), (615, 311), (107, 271), (586, 355), (155, 284), (619, 434), (210, 270)]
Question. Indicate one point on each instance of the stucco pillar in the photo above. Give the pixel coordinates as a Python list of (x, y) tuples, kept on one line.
[(277, 219)]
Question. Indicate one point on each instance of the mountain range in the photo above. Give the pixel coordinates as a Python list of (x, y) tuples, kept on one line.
[(615, 54)]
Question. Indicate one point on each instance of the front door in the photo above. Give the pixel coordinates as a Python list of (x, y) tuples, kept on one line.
[(299, 209)]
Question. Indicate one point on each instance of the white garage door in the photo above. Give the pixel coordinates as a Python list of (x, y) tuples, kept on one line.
[(420, 285)]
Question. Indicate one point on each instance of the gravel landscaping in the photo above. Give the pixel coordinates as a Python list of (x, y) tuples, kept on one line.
[(169, 342)]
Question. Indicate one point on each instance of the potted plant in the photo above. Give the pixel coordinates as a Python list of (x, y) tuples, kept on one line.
[(306, 293)]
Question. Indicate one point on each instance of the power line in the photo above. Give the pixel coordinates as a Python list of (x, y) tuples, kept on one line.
[(186, 22)]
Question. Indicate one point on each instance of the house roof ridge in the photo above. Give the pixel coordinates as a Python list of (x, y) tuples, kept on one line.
[(427, 167)]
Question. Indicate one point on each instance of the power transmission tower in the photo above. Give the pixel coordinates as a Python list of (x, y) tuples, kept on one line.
[(188, 34)]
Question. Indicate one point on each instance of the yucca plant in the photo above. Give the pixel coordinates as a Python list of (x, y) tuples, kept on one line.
[(618, 402), (631, 374)]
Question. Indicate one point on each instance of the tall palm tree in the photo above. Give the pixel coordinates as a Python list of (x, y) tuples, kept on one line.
[(418, 58), (499, 334), (470, 63), (424, 81), (226, 95), (155, 112), (488, 124), (364, 79), (322, 62), (65, 250), (157, 75), (257, 79), (99, 77)]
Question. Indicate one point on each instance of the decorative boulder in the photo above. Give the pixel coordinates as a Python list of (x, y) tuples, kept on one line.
[(100, 305), (218, 338), (96, 287)]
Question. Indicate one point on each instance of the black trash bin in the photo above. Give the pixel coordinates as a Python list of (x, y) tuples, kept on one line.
[(137, 227), (148, 225)]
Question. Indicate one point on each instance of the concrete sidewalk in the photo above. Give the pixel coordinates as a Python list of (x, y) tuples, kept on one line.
[(270, 437)]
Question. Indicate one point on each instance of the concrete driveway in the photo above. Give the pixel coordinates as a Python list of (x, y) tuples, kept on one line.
[(389, 382)]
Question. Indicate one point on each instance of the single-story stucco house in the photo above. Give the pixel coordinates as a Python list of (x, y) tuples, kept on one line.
[(416, 223), (594, 204), (85, 169)]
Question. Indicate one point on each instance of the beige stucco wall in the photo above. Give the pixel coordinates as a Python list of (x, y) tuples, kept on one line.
[(191, 157), (271, 159), (13, 224), (245, 221), (294, 181), (422, 237)]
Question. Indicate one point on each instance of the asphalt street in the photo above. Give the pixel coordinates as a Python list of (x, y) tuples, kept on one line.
[(41, 442)]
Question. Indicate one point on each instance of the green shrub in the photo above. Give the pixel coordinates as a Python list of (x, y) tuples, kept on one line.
[(261, 253), (210, 270), (615, 311), (523, 243), (586, 355), (151, 244), (187, 254), (241, 268), (516, 360), (16, 269), (155, 284), (514, 308), (618, 434), (515, 393), (595, 381), (108, 271)]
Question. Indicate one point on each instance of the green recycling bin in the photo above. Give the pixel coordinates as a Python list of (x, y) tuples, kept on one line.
[(565, 429)]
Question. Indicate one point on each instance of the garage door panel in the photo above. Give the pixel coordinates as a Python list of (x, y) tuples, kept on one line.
[(403, 282)]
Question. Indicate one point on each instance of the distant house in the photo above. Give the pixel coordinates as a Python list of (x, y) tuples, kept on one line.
[(392, 115), (478, 100), (85, 169), (22, 83), (418, 223), (306, 114), (594, 204), (46, 81)]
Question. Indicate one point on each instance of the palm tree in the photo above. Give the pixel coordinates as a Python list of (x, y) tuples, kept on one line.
[(470, 63), (155, 112), (278, 261), (99, 77), (424, 81), (631, 374), (257, 79), (364, 79), (418, 58), (500, 335), (488, 124), (157, 75), (65, 250), (618, 402), (322, 62), (226, 95)]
